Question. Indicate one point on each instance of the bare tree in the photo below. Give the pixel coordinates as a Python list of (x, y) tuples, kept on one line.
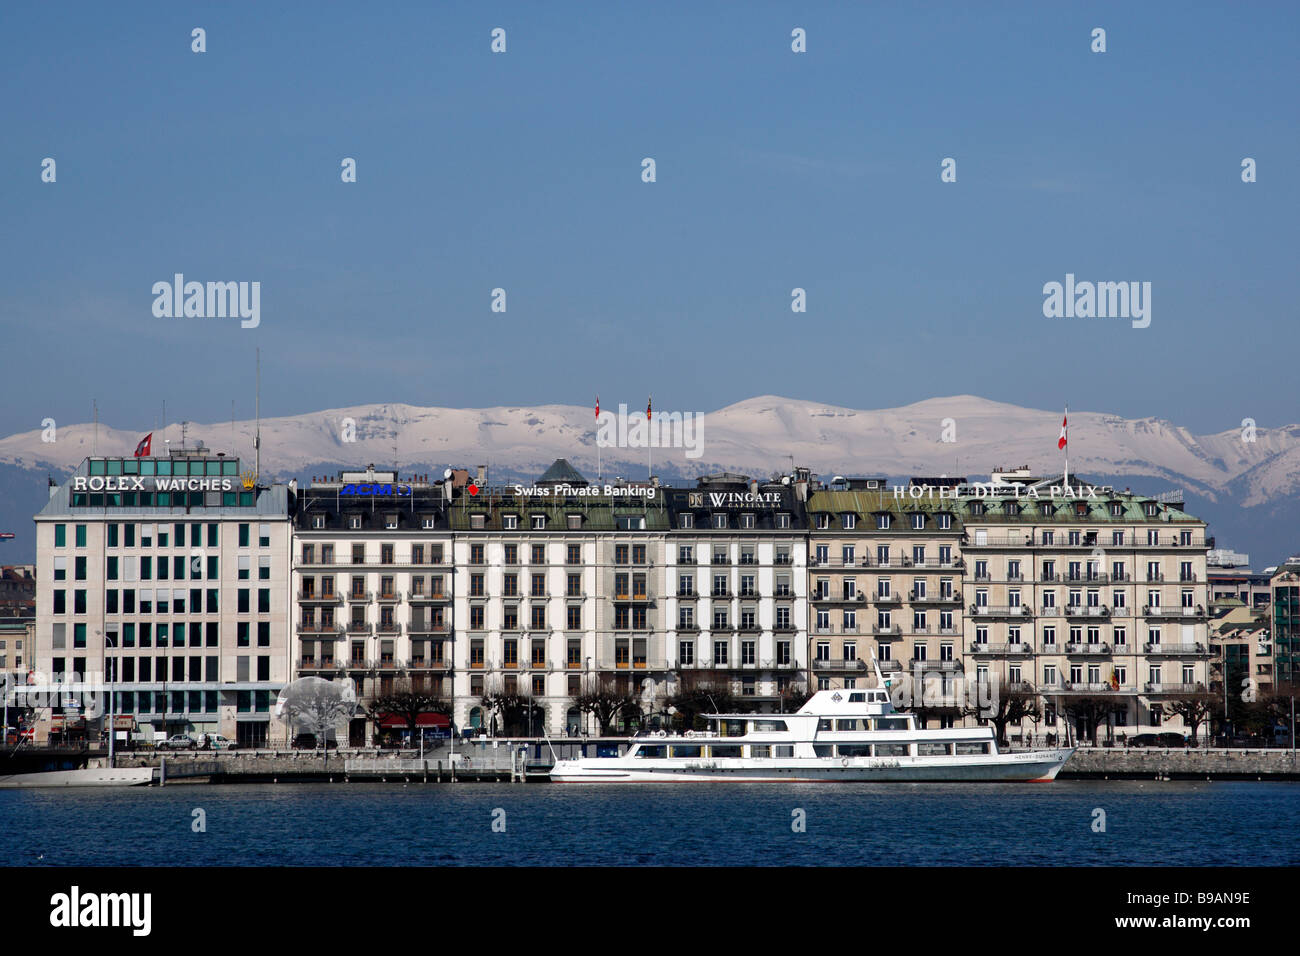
[(605, 702), (1093, 711), (1195, 709), (316, 706), (1007, 707), (520, 713)]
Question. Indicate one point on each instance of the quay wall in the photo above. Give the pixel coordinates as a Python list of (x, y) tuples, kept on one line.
[(1180, 763)]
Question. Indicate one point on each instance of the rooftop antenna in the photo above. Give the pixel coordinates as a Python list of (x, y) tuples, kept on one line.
[(257, 414), (184, 427), (164, 418), (94, 442)]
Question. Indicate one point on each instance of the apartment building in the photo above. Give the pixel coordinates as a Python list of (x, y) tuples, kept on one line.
[(162, 596), (736, 607), (885, 580), (373, 584), (561, 590)]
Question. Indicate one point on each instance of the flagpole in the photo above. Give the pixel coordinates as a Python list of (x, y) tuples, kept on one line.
[(1067, 446)]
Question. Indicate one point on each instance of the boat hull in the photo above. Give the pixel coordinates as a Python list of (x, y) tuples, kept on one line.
[(1020, 767), (97, 777)]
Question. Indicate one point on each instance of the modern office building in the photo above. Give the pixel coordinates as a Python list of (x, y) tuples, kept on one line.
[(1285, 585), (162, 596)]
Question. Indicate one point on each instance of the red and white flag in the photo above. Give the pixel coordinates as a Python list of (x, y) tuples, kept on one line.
[(597, 408), (647, 409), (1063, 440), (145, 447)]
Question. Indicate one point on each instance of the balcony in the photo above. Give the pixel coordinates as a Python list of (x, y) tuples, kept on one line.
[(331, 597), (1075, 687), (361, 597), (925, 667), (783, 559), (1003, 650), (1014, 541), (1088, 650), (1173, 612), (359, 628), (893, 630), (324, 664), (839, 666), (1174, 688), (428, 664), (890, 666), (984, 610), (1173, 649), (891, 598), (389, 629), (720, 594), (1080, 610), (428, 629), (320, 630), (687, 593), (437, 597)]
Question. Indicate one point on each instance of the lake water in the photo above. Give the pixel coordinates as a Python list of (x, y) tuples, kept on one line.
[(1146, 823)]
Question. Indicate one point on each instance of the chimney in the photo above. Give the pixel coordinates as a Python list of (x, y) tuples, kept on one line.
[(482, 476)]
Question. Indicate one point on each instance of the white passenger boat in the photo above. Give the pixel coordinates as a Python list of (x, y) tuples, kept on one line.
[(92, 777), (850, 735)]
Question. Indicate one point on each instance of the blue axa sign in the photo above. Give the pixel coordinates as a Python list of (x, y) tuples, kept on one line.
[(375, 491)]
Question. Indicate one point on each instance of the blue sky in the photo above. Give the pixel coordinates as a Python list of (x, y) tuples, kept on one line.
[(522, 171)]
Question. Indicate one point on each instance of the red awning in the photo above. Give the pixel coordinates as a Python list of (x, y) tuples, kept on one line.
[(394, 721)]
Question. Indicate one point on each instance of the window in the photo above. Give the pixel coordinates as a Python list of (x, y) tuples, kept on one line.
[(849, 521), (264, 536), (918, 522), (882, 522), (510, 522)]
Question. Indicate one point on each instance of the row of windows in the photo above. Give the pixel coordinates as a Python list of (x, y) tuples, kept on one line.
[(200, 535), (163, 601), (848, 521), (173, 634)]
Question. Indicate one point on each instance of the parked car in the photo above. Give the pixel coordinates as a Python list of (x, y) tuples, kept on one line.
[(215, 742), (1167, 739), (179, 742)]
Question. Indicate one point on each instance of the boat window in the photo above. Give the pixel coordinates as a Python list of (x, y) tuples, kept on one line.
[(824, 723), (683, 750), (760, 750), (967, 748), (857, 698), (854, 750), (880, 696), (891, 723), (646, 750), (784, 750), (733, 728), (769, 726), (728, 751), (933, 750), (823, 750), (891, 750), (846, 725)]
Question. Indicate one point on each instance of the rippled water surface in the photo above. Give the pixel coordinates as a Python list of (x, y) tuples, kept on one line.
[(1146, 823)]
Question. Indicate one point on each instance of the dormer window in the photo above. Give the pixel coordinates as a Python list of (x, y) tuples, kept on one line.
[(882, 522), (318, 521), (390, 522), (1013, 507), (1080, 509), (1116, 509), (1151, 509), (510, 522), (747, 521), (1048, 508), (782, 520), (427, 522), (918, 522), (477, 522), (538, 522), (945, 521), (977, 507), (849, 520), (823, 522), (720, 520), (686, 520), (574, 522), (354, 522)]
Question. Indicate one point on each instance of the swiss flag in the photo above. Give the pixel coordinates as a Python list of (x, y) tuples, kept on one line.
[(145, 447), (597, 408), (1063, 441)]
